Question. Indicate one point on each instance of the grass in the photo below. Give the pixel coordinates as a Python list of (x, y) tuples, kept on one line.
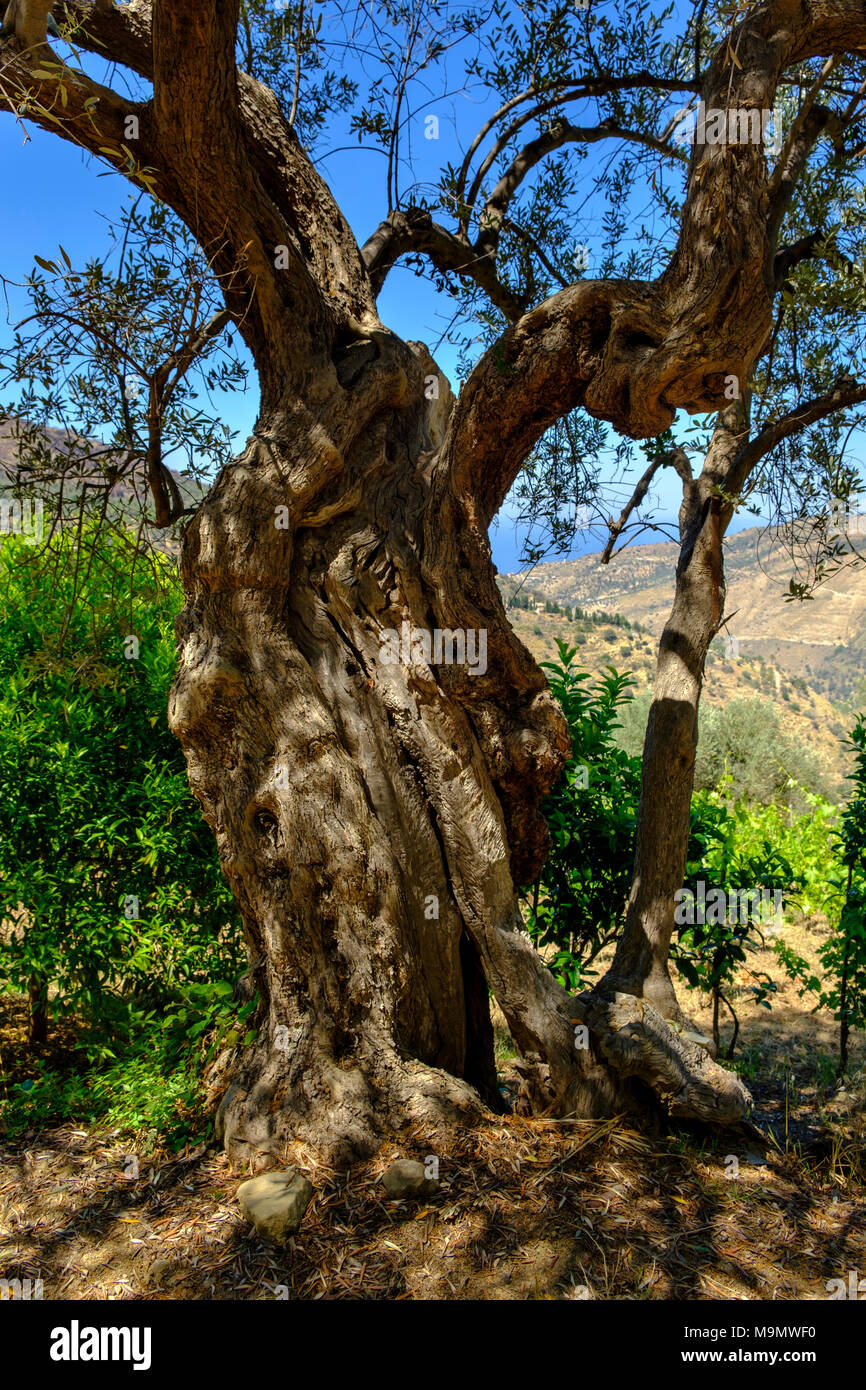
[(133, 1094), (145, 1087)]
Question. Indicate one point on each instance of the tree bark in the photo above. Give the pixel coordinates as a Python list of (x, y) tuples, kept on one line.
[(37, 1030), (844, 1026), (373, 816), (363, 809), (640, 964)]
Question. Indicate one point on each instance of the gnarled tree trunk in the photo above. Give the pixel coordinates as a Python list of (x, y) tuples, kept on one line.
[(354, 798), (364, 808), (373, 816)]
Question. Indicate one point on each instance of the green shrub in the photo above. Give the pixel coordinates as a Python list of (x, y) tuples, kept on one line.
[(741, 744), (717, 923), (843, 955), (106, 866), (576, 905)]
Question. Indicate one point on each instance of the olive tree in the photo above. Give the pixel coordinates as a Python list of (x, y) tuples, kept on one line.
[(374, 793)]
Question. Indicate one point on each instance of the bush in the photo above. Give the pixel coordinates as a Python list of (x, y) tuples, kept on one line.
[(576, 905), (744, 741), (106, 867), (726, 857), (843, 955), (742, 747)]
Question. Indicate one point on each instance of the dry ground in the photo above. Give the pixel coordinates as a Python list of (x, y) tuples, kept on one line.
[(526, 1209)]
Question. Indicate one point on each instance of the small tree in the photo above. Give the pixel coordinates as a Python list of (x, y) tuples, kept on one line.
[(843, 955), (719, 922), (577, 905)]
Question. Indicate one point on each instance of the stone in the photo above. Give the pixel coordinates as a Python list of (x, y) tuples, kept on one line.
[(275, 1203), (408, 1178)]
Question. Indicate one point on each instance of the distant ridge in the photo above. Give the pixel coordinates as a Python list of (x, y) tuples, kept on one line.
[(821, 640), (65, 443)]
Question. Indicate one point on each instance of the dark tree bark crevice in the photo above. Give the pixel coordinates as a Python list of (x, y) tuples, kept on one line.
[(480, 1065), (37, 998)]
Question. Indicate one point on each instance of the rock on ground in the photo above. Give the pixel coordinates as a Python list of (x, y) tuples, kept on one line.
[(275, 1203), (408, 1178)]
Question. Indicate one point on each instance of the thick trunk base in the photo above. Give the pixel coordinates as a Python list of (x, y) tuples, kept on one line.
[(342, 1112), (375, 796)]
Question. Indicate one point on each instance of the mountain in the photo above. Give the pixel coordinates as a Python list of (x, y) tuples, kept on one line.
[(821, 641), (804, 659), (69, 448)]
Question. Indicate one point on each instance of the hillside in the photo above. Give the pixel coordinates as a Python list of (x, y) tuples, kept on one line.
[(806, 714), (821, 641), (66, 447)]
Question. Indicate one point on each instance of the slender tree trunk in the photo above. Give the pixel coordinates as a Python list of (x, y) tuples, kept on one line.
[(736, 1033), (640, 965), (843, 991), (37, 992)]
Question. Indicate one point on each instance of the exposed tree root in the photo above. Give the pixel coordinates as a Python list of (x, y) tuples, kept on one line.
[(637, 1042)]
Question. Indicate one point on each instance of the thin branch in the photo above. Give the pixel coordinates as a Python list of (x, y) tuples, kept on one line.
[(582, 88), (846, 393), (676, 459), (791, 256), (180, 362), (297, 87), (797, 127), (413, 231), (533, 245), (84, 112), (561, 133)]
